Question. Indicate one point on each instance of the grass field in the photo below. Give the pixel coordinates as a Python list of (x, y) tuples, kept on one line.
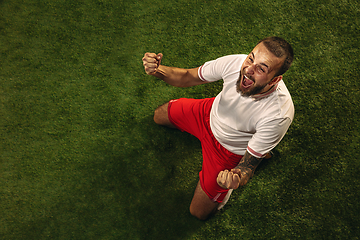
[(80, 156)]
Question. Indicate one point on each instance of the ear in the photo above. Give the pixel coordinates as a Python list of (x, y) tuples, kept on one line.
[(275, 80)]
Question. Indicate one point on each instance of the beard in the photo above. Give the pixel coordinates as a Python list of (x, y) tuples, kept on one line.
[(253, 91)]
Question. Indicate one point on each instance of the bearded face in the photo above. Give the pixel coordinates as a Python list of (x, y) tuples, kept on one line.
[(257, 73)]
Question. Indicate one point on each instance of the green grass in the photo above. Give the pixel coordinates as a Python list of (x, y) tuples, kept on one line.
[(80, 157)]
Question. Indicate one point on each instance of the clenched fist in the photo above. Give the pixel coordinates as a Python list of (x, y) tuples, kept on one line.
[(151, 62), (229, 179)]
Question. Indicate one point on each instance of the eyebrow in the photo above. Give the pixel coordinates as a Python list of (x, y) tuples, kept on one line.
[(253, 55)]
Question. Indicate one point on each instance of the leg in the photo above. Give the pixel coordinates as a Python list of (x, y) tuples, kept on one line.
[(201, 206), (161, 116)]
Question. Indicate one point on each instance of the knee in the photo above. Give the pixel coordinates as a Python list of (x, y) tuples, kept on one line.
[(201, 215)]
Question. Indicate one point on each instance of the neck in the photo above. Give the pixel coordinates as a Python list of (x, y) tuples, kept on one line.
[(266, 92)]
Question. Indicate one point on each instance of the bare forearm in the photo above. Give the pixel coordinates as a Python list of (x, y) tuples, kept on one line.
[(178, 77), (170, 75)]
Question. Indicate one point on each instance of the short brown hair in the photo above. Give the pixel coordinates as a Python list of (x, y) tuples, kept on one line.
[(280, 48)]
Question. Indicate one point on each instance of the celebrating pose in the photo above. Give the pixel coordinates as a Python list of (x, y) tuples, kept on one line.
[(237, 128)]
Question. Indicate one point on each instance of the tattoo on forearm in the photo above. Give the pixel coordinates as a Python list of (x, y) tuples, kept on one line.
[(247, 165)]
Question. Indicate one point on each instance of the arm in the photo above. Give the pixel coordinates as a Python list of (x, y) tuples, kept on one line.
[(241, 174), (177, 77)]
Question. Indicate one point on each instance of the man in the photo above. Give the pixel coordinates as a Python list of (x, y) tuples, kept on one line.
[(237, 128)]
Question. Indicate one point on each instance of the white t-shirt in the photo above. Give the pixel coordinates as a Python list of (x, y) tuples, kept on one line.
[(257, 123)]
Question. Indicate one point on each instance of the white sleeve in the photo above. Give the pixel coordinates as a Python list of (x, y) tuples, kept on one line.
[(217, 69), (267, 136)]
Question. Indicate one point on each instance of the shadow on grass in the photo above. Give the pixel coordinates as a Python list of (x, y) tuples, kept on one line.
[(136, 183), (153, 174)]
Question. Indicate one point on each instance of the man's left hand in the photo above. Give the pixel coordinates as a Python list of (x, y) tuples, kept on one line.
[(229, 179)]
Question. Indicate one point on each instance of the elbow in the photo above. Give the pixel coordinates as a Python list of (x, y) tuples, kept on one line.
[(183, 83), (179, 84), (188, 80)]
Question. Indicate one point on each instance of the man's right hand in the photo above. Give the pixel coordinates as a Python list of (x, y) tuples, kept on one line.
[(151, 62)]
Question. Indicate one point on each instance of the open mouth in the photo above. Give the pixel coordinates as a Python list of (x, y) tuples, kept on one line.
[(246, 82)]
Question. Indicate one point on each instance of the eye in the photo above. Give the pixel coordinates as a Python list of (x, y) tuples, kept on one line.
[(251, 60), (260, 69)]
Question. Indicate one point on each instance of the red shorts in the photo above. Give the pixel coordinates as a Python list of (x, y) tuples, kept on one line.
[(193, 116)]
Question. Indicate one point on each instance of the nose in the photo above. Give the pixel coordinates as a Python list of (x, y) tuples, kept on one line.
[(250, 69)]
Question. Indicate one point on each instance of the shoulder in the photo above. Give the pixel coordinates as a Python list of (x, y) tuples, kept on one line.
[(232, 59), (221, 67), (282, 89), (279, 104), (286, 104)]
